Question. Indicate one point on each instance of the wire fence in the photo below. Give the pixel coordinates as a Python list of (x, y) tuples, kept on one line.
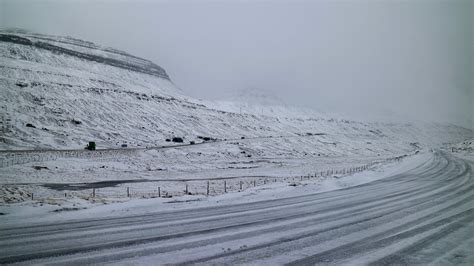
[(176, 188), (148, 188), (212, 187)]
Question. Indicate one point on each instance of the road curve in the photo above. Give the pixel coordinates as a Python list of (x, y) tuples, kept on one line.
[(422, 216)]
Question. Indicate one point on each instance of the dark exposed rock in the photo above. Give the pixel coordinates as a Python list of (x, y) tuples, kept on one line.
[(37, 167), (207, 138), (177, 139), (21, 84)]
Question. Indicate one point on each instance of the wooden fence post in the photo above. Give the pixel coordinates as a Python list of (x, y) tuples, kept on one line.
[(208, 188), (159, 192), (128, 192), (225, 186), (187, 191), (93, 192), (240, 184)]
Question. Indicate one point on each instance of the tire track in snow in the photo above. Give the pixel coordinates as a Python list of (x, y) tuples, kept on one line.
[(289, 215)]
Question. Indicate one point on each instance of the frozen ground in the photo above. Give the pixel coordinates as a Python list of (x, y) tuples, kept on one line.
[(59, 208), (419, 211), (463, 149), (226, 166)]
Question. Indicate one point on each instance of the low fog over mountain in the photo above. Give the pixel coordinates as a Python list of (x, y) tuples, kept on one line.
[(408, 59)]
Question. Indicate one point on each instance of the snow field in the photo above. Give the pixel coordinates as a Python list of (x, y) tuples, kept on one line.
[(83, 205)]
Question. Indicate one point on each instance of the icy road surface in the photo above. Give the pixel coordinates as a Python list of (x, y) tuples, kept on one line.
[(423, 215)]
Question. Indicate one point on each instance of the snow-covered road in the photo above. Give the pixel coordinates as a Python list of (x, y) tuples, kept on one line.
[(423, 215)]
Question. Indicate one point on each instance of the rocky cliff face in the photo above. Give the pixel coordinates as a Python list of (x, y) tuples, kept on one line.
[(78, 49), (60, 92)]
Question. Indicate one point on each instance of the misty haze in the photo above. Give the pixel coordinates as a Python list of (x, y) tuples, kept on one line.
[(237, 132)]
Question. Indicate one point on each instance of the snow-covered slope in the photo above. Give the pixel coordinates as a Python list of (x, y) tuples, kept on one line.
[(60, 92)]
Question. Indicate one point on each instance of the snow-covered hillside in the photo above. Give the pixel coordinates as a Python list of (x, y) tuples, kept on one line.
[(60, 92)]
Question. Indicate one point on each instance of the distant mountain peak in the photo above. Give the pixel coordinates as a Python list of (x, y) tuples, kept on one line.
[(257, 96)]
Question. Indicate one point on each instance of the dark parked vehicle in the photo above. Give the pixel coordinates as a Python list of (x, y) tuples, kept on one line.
[(90, 146)]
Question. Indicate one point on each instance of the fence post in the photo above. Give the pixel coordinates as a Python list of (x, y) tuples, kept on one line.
[(93, 192), (159, 192), (240, 184), (208, 187), (128, 192), (225, 186), (187, 189), (32, 196), (254, 184)]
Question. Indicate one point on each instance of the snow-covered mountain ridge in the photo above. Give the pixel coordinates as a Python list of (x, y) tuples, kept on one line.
[(83, 50), (60, 92)]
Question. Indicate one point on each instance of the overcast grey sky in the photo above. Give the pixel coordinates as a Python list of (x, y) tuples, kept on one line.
[(413, 57)]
